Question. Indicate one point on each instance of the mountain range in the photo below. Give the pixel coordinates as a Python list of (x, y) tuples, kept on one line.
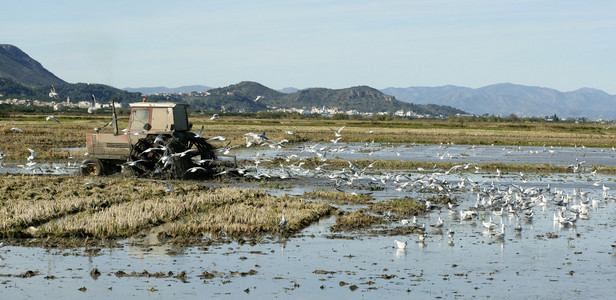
[(23, 77), (506, 99)]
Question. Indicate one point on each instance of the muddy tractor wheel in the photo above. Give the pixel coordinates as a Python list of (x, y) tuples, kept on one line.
[(92, 167)]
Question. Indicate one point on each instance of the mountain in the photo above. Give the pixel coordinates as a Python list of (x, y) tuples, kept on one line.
[(22, 69), (288, 90), (252, 96), (162, 89), (506, 99)]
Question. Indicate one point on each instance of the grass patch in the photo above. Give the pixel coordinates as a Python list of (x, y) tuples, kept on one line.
[(117, 207), (356, 220), (400, 207), (339, 197)]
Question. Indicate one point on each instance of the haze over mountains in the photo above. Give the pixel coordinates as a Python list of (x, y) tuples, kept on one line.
[(505, 99), (22, 76)]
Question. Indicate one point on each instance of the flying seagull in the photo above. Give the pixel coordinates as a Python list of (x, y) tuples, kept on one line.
[(52, 118), (337, 133), (92, 107)]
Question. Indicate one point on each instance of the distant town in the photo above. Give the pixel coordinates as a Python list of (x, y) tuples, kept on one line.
[(323, 111)]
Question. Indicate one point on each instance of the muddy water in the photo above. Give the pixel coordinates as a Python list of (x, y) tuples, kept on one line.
[(544, 260)]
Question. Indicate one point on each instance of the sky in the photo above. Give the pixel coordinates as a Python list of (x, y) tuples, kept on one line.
[(559, 44)]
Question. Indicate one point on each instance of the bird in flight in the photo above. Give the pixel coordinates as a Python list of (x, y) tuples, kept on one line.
[(92, 107), (337, 133), (52, 118)]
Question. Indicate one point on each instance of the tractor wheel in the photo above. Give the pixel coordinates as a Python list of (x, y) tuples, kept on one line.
[(92, 167), (176, 169), (205, 153)]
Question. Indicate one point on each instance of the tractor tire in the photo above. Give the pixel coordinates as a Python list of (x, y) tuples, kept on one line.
[(92, 167)]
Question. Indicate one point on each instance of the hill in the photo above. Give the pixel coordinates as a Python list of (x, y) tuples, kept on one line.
[(252, 96), (22, 69), (165, 90), (506, 99)]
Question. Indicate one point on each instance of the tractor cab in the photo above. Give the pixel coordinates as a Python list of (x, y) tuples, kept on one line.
[(158, 117)]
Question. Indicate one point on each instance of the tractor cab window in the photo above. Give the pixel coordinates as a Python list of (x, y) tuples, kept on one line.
[(139, 118), (180, 118)]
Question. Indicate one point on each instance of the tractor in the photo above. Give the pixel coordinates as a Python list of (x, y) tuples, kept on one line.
[(158, 143)]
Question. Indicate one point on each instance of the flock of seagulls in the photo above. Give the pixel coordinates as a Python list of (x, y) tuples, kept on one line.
[(498, 197)]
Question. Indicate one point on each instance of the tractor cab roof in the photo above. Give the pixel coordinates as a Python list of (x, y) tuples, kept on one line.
[(156, 104)]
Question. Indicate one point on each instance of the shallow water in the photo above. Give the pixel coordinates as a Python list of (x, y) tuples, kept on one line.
[(544, 260)]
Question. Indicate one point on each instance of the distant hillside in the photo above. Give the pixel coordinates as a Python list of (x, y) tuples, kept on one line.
[(22, 69), (506, 99), (288, 90), (162, 89)]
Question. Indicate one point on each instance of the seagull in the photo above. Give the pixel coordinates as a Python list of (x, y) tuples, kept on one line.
[(283, 222), (195, 169), (198, 135), (215, 117), (2, 155), (400, 244), (133, 163), (16, 129), (501, 234), (337, 133), (53, 94), (32, 155), (169, 187), (52, 118), (289, 132), (439, 223), (405, 221), (217, 138), (158, 139), (2, 244), (92, 107)]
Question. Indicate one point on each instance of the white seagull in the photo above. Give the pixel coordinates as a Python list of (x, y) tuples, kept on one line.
[(169, 187), (400, 244), (32, 155), (16, 129), (92, 107), (283, 222), (337, 133), (52, 118), (215, 117)]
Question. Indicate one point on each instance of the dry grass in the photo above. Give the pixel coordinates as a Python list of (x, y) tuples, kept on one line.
[(355, 221), (339, 197), (114, 207), (401, 207)]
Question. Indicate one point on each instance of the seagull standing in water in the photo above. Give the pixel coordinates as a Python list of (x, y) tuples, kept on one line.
[(400, 244)]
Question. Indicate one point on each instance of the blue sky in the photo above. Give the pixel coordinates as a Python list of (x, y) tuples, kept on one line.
[(565, 45)]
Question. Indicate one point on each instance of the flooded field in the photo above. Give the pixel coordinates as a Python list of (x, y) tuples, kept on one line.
[(557, 240)]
